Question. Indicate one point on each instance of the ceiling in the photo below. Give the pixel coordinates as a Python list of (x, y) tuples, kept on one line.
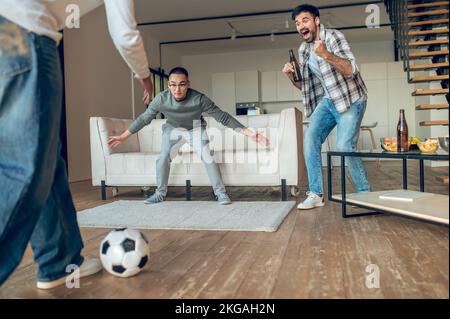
[(156, 11)]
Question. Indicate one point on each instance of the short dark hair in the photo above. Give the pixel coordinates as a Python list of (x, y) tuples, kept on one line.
[(305, 8), (179, 70)]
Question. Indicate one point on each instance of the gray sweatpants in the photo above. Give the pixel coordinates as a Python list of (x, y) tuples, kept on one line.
[(172, 140)]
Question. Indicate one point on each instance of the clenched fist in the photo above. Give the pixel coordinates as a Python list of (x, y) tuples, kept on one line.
[(319, 47)]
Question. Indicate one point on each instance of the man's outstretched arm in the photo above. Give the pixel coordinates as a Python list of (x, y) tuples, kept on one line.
[(142, 120)]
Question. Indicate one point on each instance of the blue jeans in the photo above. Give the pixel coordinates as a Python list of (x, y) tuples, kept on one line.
[(36, 206), (323, 120)]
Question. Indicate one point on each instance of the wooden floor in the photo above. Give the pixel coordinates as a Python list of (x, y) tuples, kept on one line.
[(314, 254)]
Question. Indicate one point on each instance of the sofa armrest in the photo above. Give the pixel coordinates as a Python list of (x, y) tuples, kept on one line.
[(292, 163), (101, 128), (98, 166)]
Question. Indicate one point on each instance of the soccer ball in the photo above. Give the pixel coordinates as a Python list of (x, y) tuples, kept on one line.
[(124, 252)]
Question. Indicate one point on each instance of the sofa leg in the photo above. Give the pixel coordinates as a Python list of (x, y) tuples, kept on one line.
[(283, 190), (145, 191), (103, 190), (188, 190)]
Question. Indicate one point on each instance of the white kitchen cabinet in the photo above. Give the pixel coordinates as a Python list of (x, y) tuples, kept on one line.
[(224, 91), (400, 97), (247, 86), (284, 88), (252, 86), (269, 86), (296, 93), (276, 87)]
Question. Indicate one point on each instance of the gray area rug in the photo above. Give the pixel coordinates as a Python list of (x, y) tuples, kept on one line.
[(190, 215)]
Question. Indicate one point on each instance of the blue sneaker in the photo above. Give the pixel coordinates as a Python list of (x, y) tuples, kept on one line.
[(223, 199), (155, 198)]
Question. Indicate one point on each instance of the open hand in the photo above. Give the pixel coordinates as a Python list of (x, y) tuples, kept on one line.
[(261, 139), (114, 141), (146, 98)]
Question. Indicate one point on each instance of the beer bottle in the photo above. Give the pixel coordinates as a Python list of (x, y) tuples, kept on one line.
[(402, 133), (293, 60)]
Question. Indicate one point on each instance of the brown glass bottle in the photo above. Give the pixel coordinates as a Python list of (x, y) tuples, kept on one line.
[(293, 60), (402, 133)]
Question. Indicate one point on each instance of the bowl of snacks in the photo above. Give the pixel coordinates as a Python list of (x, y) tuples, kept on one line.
[(443, 143), (429, 146), (389, 144), (413, 140)]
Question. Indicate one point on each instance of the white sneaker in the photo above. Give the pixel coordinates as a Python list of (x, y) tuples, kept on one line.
[(313, 200), (89, 267)]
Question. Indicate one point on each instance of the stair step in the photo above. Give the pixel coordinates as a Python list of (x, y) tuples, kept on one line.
[(433, 123), (427, 13), (429, 92), (427, 54), (427, 32), (425, 107), (426, 43), (426, 22), (429, 78), (428, 4), (428, 66), (442, 179)]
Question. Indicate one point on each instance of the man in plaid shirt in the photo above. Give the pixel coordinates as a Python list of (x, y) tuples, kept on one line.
[(333, 93)]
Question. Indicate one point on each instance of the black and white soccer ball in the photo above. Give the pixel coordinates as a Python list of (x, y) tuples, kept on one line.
[(124, 252)]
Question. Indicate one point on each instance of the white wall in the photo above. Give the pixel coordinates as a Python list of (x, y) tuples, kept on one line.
[(389, 92), (98, 83)]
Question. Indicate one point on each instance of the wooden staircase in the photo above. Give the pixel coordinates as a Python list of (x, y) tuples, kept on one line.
[(428, 19), (421, 32)]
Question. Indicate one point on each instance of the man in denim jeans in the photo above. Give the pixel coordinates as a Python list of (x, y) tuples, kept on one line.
[(35, 201), (333, 93)]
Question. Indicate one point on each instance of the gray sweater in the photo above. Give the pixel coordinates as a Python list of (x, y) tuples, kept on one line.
[(183, 113)]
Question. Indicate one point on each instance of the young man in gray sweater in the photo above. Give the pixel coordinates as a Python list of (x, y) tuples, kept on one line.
[(183, 108)]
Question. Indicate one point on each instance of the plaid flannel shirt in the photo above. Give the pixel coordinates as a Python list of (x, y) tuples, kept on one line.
[(344, 91)]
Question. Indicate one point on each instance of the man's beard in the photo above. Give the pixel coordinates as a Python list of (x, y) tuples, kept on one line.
[(313, 35)]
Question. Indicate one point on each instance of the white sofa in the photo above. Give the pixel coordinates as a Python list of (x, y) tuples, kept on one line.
[(242, 162)]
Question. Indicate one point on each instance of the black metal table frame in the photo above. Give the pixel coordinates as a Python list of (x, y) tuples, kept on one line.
[(404, 156)]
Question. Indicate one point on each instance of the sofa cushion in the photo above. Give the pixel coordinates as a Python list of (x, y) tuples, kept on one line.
[(139, 163), (150, 136)]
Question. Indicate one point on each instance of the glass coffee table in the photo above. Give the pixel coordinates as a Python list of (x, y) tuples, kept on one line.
[(429, 207)]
